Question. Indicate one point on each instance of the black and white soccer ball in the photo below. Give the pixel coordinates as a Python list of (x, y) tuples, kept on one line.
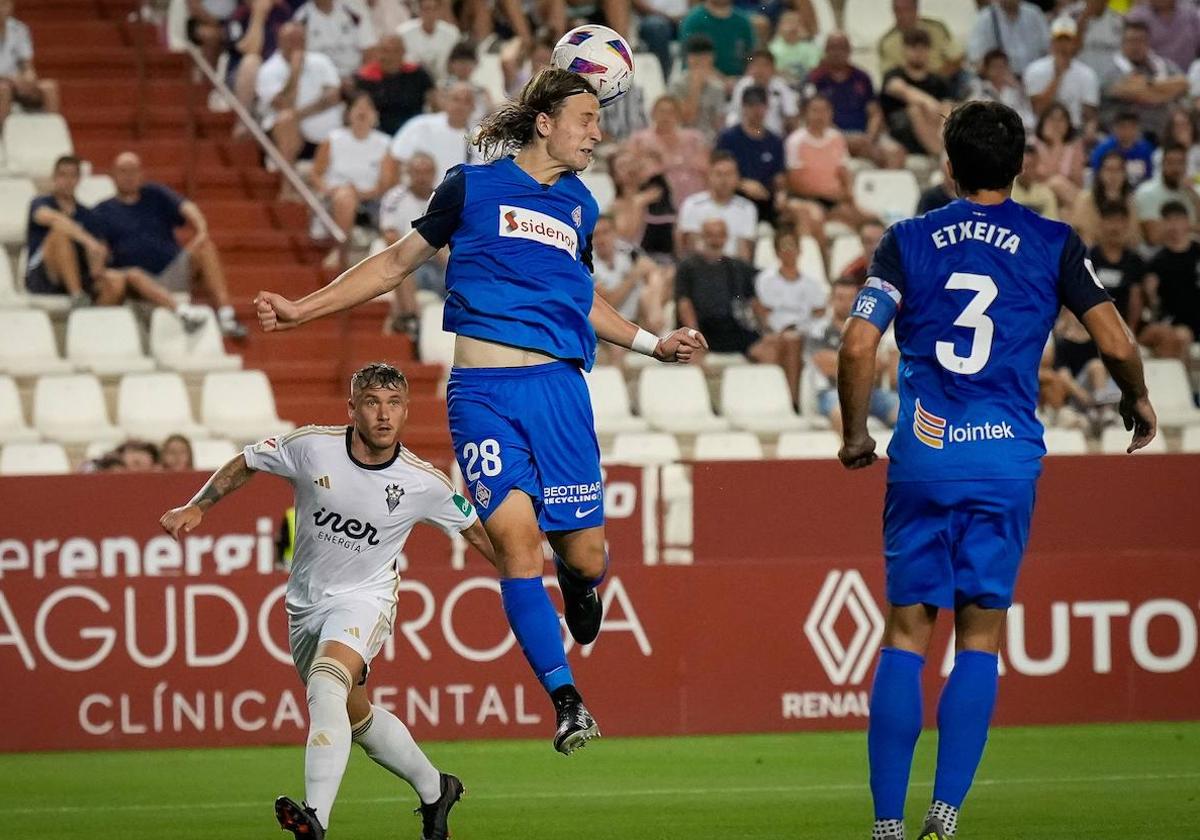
[(601, 56)]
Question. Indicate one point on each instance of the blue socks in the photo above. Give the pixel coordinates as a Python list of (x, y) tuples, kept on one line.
[(894, 727), (535, 624), (964, 713)]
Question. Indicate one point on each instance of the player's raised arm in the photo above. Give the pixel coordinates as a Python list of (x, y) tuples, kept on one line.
[(224, 481), (611, 326)]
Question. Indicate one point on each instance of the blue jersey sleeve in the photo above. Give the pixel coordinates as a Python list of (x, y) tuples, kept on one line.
[(880, 297), (1079, 289), (444, 213)]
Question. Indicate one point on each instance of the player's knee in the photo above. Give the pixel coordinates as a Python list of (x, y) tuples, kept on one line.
[(329, 678)]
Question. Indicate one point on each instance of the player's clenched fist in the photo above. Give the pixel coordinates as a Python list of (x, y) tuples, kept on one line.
[(179, 519), (680, 346), (275, 312), (856, 454)]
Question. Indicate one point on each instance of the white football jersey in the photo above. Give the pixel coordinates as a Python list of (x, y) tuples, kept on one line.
[(352, 519)]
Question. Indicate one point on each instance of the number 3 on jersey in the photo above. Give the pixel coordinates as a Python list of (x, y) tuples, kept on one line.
[(485, 454), (972, 318)]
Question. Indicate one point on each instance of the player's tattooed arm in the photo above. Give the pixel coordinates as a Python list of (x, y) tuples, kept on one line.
[(224, 481)]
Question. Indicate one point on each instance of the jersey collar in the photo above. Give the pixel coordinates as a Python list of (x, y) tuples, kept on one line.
[(360, 464)]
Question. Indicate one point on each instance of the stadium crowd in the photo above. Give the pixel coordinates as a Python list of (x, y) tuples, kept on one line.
[(736, 187)]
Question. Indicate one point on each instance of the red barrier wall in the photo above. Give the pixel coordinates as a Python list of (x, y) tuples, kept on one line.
[(111, 635)]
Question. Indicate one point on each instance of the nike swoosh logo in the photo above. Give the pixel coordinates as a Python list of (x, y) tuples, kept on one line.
[(579, 514)]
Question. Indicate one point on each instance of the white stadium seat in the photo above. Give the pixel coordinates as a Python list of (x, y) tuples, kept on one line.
[(174, 348), (756, 398), (891, 194), (13, 428), (610, 402), (1115, 440), (727, 446), (675, 399), (801, 445), (93, 189), (844, 250), (153, 405), (33, 459), (27, 345), (1171, 393), (12, 296), (826, 19), (106, 341), (15, 197), (1191, 439), (1065, 442), (812, 262), (240, 405), (435, 346), (212, 454), (644, 448), (866, 21), (648, 74), (32, 142), (71, 409)]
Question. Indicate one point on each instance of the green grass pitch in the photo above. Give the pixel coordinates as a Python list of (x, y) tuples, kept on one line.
[(1093, 782)]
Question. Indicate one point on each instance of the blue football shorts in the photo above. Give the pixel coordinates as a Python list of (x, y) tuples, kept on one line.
[(529, 429), (954, 543)]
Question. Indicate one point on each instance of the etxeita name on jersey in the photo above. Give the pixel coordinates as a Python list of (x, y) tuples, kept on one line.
[(976, 231), (935, 432), (520, 223)]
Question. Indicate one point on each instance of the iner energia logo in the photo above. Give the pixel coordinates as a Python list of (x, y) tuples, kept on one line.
[(844, 591)]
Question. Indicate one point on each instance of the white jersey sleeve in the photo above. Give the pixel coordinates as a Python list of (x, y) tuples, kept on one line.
[(450, 512), (276, 455)]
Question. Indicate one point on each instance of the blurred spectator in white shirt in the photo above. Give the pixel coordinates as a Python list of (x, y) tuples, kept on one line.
[(206, 25), (460, 67), (794, 300), (299, 96), (429, 38), (1061, 77), (720, 201), (783, 103), (628, 279), (18, 80), (385, 15), (339, 31), (401, 205), (445, 136), (996, 83), (1016, 26), (1099, 32)]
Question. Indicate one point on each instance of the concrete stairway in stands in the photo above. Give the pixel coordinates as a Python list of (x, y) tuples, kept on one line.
[(90, 47)]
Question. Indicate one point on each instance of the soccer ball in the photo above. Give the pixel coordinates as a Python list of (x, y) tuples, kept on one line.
[(601, 56)]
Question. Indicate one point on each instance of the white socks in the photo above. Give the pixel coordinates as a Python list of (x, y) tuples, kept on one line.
[(328, 742), (388, 742), (947, 813)]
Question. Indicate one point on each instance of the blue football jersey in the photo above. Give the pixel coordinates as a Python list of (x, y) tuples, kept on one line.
[(975, 290), (520, 251)]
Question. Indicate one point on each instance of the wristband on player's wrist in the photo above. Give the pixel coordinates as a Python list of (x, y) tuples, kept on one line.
[(644, 342)]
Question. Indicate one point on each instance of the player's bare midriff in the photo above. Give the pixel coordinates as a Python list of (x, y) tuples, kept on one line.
[(478, 353)]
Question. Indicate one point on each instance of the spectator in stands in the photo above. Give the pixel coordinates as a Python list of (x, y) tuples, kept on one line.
[(399, 89), (946, 56), (506, 18), (520, 60), (206, 23), (139, 456), (19, 83), (822, 347), (1099, 32), (341, 32), (1015, 26), (758, 153), (682, 153), (1090, 392), (1172, 288), (868, 235), (109, 462), (175, 454), (730, 30), (856, 111), (1173, 28), (628, 279), (386, 15), (714, 293), (658, 25), (443, 135), (938, 195), (818, 172), (915, 100), (1181, 131), (1167, 187), (1140, 80), (460, 67), (252, 36), (642, 210), (793, 302), (1110, 185), (348, 171), (719, 201), (783, 103), (1061, 155), (1127, 139), (996, 83), (140, 223), (795, 48), (1061, 78), (624, 117), (401, 205), (429, 37), (700, 89), (299, 94), (1029, 190), (1118, 267)]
